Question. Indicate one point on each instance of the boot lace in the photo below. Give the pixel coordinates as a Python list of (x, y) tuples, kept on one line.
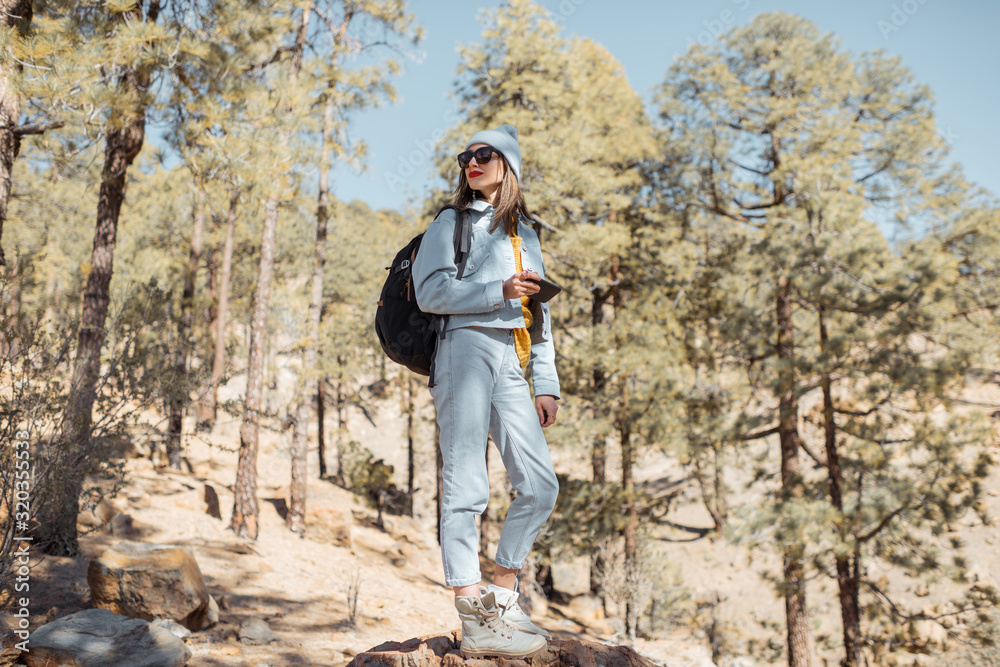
[(512, 605), (496, 623)]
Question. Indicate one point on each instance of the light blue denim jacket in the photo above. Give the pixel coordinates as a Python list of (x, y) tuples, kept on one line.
[(477, 299)]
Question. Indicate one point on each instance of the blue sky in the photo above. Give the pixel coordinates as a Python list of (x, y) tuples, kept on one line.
[(950, 46)]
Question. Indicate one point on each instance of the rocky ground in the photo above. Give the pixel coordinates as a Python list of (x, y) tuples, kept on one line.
[(301, 588)]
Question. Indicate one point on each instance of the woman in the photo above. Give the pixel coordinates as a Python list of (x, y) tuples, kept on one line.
[(495, 333)]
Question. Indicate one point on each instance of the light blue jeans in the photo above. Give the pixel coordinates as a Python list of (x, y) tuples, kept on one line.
[(479, 390)]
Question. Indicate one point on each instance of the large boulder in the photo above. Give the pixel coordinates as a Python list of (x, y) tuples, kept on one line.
[(443, 651), (150, 581), (99, 638)]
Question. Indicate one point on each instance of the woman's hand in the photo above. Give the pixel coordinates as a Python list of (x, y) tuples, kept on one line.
[(546, 407), (520, 284)]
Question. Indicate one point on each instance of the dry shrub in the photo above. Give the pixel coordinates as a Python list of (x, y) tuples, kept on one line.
[(36, 370), (650, 588)]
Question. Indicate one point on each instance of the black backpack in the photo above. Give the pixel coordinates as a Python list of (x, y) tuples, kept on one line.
[(407, 334)]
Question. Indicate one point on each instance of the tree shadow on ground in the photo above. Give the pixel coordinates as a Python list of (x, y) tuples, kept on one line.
[(280, 506)]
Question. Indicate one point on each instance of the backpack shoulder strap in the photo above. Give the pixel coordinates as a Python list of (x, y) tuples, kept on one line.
[(463, 236), (463, 240)]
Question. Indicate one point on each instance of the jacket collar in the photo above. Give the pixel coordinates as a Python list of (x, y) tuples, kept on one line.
[(483, 206), (480, 205)]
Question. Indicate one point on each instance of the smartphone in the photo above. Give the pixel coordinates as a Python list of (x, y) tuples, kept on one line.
[(548, 289)]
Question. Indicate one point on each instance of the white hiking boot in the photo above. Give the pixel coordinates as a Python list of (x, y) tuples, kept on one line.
[(512, 611), (486, 634)]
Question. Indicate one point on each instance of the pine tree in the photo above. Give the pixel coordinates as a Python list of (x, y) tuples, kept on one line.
[(245, 508), (209, 398), (18, 40), (355, 281), (183, 350), (341, 90), (971, 234), (135, 43), (122, 144), (787, 150)]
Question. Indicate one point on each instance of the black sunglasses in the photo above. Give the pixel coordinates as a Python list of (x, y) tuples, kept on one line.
[(482, 155)]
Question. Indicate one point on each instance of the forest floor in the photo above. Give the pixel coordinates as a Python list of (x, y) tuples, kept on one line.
[(301, 586)]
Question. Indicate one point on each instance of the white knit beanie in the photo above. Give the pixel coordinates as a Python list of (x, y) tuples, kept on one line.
[(504, 141)]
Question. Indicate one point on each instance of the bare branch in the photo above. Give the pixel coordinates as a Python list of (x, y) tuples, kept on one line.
[(23, 130), (812, 455), (760, 434), (756, 171), (882, 524), (275, 57)]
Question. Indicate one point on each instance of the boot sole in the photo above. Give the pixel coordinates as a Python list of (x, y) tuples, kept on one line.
[(499, 654)]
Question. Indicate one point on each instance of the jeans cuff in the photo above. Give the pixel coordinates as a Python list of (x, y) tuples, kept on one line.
[(465, 581), (510, 565)]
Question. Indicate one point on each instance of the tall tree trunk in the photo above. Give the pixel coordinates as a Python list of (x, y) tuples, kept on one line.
[(208, 407), (793, 569), (341, 420), (211, 316), (598, 454), (310, 355), (320, 427), (246, 480), (847, 579), (179, 396), (598, 457), (245, 509), (295, 519), (57, 518), (12, 13), (631, 532), (210, 309)]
